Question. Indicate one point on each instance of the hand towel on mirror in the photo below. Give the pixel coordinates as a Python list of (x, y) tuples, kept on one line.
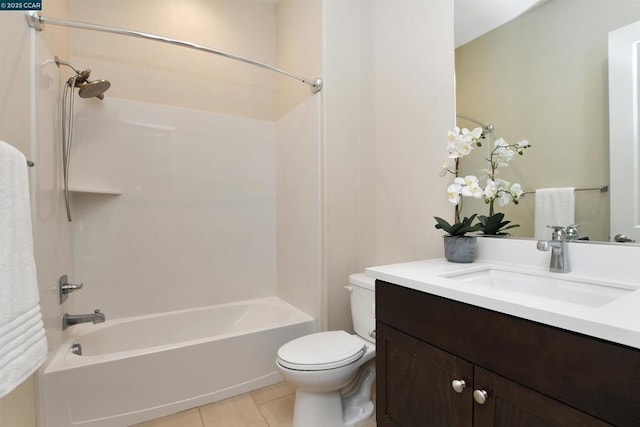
[(554, 206)]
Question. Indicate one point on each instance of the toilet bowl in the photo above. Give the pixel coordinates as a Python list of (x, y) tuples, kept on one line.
[(333, 371)]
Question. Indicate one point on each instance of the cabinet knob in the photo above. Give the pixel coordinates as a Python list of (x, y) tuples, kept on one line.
[(458, 385), (480, 396)]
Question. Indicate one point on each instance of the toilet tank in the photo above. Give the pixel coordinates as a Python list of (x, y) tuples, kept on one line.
[(363, 307)]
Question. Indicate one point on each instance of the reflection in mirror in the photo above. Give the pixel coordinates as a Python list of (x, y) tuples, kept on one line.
[(543, 77), (623, 123)]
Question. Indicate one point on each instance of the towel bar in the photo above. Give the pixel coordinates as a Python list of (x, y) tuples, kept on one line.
[(602, 189)]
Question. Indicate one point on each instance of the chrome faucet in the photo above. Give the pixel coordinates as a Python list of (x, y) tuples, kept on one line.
[(558, 244), (73, 319), (572, 232)]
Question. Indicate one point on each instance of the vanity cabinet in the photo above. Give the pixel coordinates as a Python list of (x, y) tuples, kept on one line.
[(524, 373)]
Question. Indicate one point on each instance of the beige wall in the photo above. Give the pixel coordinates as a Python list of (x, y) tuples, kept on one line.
[(153, 72), (14, 81), (299, 156), (17, 409), (543, 77), (286, 34), (388, 105), (299, 49)]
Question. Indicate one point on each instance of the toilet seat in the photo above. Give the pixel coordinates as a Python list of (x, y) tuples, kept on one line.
[(321, 351)]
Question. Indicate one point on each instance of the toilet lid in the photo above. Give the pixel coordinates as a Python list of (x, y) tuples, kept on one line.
[(320, 351)]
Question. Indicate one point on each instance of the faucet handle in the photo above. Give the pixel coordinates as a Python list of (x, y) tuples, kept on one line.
[(65, 288), (559, 232), (572, 231)]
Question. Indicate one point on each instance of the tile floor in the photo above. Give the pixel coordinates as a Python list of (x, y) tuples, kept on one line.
[(267, 407)]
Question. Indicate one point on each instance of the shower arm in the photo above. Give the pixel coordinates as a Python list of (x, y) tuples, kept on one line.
[(59, 62), (36, 21)]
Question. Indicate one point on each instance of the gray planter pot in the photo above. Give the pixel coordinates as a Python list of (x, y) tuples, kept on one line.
[(460, 249)]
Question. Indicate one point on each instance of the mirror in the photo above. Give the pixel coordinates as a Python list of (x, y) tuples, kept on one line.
[(543, 77), (624, 48)]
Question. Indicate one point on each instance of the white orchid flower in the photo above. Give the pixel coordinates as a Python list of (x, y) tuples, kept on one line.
[(461, 142), (503, 152), (454, 193), (471, 187), (459, 148), (468, 180), (471, 136), (474, 190), (504, 198), (460, 181), (454, 134), (516, 190), (490, 190)]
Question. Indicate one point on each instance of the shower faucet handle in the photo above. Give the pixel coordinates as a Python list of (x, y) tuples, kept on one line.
[(65, 288)]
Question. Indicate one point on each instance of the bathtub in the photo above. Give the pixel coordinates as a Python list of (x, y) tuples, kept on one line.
[(139, 368)]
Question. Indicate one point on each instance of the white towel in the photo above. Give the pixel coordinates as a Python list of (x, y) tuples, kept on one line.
[(23, 346), (554, 206)]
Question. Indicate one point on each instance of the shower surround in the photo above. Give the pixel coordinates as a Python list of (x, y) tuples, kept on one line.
[(174, 208), (175, 213), (218, 189)]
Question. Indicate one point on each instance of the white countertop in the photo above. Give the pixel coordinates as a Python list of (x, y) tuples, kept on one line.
[(617, 321)]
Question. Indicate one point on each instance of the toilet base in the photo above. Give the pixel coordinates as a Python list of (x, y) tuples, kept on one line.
[(325, 409), (317, 409), (356, 400), (333, 409)]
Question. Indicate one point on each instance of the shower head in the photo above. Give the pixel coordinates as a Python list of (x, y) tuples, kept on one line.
[(88, 89), (95, 88)]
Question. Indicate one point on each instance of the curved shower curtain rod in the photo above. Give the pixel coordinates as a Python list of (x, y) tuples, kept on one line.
[(36, 21), (486, 127)]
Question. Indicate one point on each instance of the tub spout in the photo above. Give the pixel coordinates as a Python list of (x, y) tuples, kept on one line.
[(73, 319)]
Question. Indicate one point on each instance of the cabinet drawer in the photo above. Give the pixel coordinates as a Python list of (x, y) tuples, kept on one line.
[(594, 376)]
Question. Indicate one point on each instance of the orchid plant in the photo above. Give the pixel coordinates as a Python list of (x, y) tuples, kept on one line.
[(461, 142)]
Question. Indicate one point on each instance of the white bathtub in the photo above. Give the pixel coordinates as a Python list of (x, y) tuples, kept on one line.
[(139, 368)]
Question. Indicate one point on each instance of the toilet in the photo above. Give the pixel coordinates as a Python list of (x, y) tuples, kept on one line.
[(333, 371)]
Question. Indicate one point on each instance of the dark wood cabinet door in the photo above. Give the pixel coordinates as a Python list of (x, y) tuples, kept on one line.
[(509, 404), (414, 383)]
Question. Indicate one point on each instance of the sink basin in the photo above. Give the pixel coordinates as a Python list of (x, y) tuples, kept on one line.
[(589, 293)]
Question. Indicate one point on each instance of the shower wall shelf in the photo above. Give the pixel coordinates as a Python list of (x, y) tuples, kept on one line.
[(91, 190)]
